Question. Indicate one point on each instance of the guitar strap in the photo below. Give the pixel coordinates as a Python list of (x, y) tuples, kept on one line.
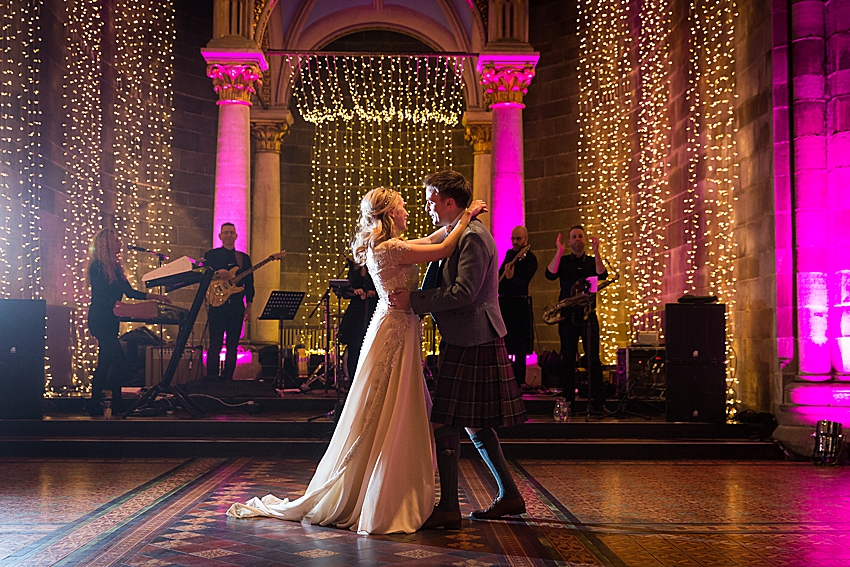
[(240, 259)]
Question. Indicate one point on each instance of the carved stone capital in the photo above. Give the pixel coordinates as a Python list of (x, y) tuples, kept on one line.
[(235, 82), (480, 136), (505, 82), (268, 136)]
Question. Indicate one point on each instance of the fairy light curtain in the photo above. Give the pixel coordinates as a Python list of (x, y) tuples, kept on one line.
[(380, 121), (605, 106), (20, 150), (635, 221), (141, 148)]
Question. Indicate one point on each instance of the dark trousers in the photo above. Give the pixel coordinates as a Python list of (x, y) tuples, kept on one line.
[(570, 333), (519, 367), (111, 365), (226, 319), (353, 350)]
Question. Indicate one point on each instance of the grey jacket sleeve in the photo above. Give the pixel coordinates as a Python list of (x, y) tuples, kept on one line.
[(467, 270)]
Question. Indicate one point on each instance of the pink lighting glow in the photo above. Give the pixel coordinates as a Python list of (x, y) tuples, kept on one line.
[(812, 195), (243, 356)]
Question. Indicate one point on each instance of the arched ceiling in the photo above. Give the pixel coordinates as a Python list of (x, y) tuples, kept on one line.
[(454, 26)]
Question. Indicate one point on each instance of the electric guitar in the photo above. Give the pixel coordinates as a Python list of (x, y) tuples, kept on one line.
[(519, 257), (221, 289)]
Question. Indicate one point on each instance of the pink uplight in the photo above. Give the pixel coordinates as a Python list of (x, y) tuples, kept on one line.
[(244, 357), (507, 104), (820, 395)]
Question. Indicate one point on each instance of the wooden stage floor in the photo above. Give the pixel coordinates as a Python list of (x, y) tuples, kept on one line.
[(170, 512)]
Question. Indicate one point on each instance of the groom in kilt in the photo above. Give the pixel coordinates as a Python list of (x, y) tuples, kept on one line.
[(475, 385)]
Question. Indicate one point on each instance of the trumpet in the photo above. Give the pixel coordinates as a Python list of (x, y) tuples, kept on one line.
[(555, 314)]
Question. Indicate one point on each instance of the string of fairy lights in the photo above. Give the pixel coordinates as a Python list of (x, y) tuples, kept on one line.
[(143, 110), (82, 149), (604, 152), (20, 151), (143, 63), (654, 148), (713, 29), (380, 121), (633, 225)]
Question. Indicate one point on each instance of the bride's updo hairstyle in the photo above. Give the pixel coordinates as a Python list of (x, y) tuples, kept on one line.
[(375, 225)]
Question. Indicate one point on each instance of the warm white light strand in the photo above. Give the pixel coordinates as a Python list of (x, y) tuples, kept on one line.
[(83, 193), (378, 123), (604, 156)]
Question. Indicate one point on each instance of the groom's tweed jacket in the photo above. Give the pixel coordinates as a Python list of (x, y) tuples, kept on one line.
[(466, 303)]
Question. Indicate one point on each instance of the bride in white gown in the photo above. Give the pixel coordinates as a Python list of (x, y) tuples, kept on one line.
[(377, 475)]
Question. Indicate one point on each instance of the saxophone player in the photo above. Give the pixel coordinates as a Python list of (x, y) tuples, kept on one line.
[(573, 270)]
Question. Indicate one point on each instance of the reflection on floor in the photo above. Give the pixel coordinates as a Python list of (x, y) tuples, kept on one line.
[(171, 512)]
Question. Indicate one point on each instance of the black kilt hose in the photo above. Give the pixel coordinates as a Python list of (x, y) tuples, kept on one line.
[(475, 387)]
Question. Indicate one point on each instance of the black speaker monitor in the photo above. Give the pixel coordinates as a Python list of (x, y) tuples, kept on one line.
[(695, 332), (22, 358), (696, 392)]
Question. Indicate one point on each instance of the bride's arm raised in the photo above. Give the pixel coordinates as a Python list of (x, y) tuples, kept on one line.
[(419, 253), (435, 237)]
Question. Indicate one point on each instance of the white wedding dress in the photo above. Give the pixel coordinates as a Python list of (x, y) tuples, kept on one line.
[(377, 475)]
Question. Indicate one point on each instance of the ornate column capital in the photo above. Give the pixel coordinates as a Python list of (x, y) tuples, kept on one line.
[(235, 82), (268, 129), (236, 65), (479, 130), (267, 138), (505, 76)]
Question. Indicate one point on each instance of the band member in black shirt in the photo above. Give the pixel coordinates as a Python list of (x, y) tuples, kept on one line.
[(570, 269), (228, 318), (517, 269), (108, 285)]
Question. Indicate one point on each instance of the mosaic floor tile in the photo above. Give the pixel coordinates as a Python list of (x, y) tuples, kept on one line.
[(162, 513)]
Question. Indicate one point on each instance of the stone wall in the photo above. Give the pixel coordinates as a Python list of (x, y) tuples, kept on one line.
[(551, 141), (756, 264)]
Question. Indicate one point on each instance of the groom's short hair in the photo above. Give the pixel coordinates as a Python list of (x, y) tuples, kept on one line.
[(450, 185)]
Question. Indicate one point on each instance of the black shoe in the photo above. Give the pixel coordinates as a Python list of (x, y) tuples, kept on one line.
[(500, 507), (442, 519)]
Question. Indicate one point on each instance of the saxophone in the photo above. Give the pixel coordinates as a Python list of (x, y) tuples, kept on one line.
[(555, 314)]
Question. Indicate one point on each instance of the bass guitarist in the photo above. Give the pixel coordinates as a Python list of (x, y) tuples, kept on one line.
[(515, 274), (573, 270), (228, 318)]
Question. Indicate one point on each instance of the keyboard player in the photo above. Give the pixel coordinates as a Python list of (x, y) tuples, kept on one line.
[(108, 285)]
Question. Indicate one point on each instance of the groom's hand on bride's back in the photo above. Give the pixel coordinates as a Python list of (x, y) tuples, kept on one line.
[(399, 299)]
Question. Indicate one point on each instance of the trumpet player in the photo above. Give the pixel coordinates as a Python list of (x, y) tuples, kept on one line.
[(573, 270)]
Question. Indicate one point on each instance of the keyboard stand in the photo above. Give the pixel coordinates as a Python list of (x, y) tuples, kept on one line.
[(164, 386)]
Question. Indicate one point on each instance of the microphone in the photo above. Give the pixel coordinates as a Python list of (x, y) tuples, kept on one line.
[(147, 251)]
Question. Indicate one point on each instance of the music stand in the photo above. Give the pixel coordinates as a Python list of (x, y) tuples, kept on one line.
[(281, 306)]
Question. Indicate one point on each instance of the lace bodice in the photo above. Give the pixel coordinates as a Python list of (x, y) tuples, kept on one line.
[(387, 271)]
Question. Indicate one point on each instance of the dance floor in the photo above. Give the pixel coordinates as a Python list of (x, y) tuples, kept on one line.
[(161, 512)]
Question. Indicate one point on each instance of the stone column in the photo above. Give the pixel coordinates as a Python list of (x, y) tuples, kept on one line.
[(810, 187), (235, 65), (838, 180), (268, 128), (479, 127), (506, 77)]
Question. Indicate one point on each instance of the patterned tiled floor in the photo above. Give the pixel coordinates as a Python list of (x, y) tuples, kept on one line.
[(160, 513)]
